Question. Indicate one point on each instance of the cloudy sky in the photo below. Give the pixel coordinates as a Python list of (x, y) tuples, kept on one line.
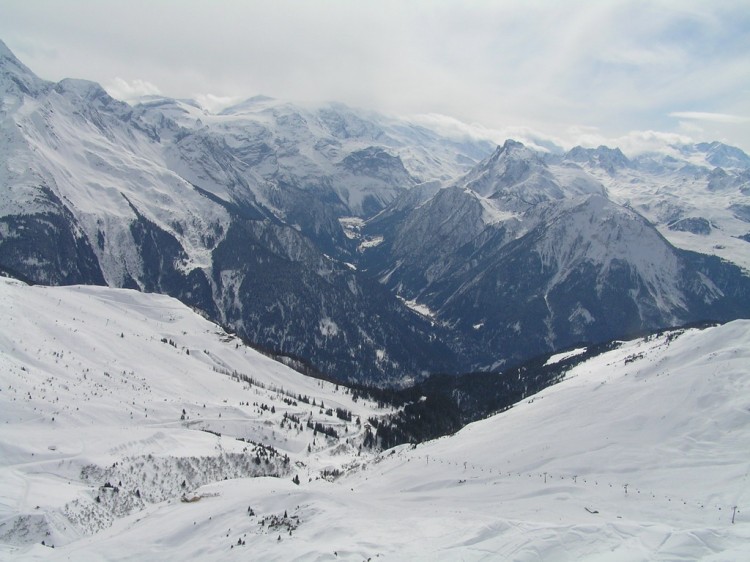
[(632, 73)]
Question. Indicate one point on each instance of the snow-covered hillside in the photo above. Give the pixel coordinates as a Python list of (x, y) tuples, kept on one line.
[(235, 214), (135, 390), (697, 196), (640, 454), (523, 256)]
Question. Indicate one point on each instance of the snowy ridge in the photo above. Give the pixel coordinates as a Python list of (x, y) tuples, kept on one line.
[(708, 182), (106, 173), (605, 234), (556, 358), (364, 157), (517, 179), (541, 255), (640, 453)]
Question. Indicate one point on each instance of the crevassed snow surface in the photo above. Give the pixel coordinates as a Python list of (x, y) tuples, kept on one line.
[(640, 454)]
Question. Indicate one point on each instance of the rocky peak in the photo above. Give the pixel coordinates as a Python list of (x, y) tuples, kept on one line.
[(16, 79), (725, 156), (515, 176), (609, 159)]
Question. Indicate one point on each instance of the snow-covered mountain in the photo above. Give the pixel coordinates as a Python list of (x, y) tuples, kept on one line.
[(697, 196), (131, 428), (235, 214), (518, 179), (355, 161), (523, 256), (368, 246)]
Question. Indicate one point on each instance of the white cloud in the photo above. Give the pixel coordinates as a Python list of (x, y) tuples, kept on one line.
[(707, 116), (631, 143), (457, 129), (214, 103), (638, 142), (639, 56), (123, 90), (617, 65), (634, 143)]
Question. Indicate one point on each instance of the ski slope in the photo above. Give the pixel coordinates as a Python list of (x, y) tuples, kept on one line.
[(137, 388), (640, 454)]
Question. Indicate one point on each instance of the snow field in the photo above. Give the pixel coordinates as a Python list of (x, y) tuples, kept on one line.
[(639, 454), (103, 386)]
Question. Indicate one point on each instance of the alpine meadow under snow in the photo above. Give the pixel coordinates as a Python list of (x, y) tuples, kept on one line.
[(516, 353)]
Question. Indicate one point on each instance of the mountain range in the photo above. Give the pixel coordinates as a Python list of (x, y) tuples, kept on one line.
[(498, 337), (369, 247)]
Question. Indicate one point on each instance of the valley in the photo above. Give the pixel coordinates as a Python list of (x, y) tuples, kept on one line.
[(285, 330)]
